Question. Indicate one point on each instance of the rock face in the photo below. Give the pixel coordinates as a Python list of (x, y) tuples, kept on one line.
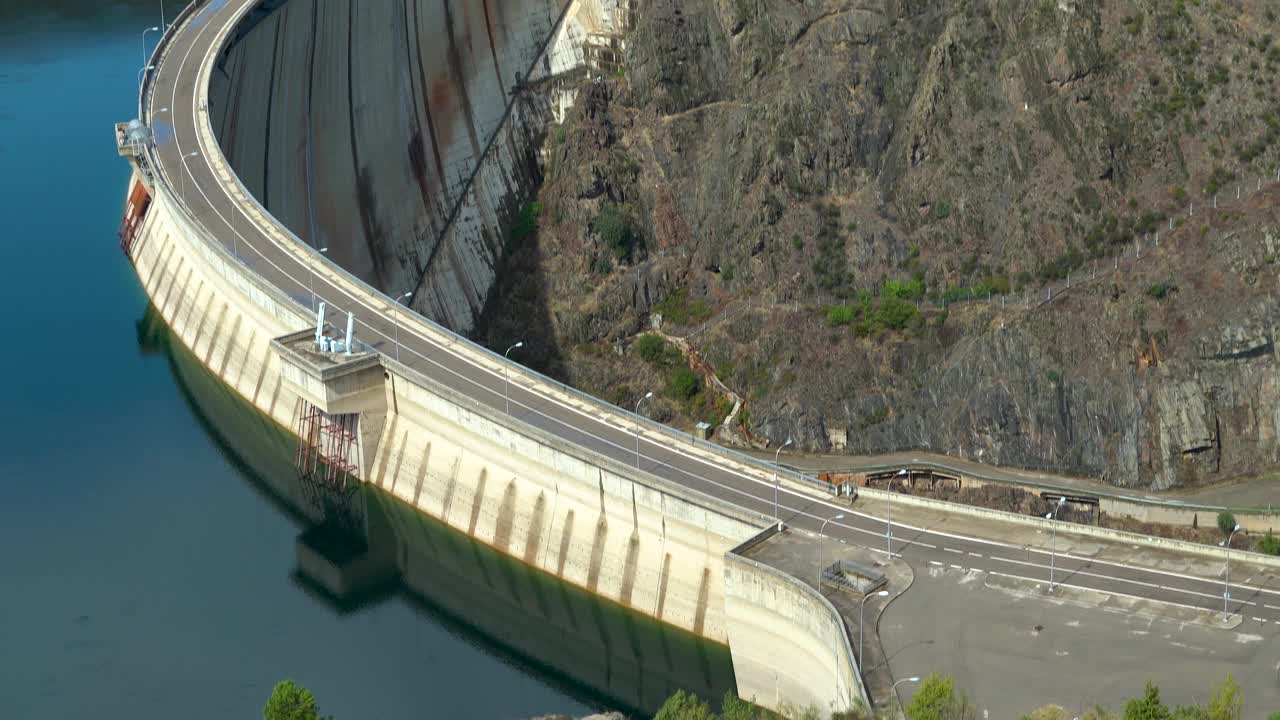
[(801, 188)]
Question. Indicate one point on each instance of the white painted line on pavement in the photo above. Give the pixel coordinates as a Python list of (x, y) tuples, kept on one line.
[(953, 550)]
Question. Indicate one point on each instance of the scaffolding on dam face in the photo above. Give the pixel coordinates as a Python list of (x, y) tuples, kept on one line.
[(325, 463)]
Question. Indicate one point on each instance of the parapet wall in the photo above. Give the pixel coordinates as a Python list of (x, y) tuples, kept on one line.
[(789, 644)]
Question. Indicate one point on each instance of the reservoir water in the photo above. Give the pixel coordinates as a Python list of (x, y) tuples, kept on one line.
[(148, 518)]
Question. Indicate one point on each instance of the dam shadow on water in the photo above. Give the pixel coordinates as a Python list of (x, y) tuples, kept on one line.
[(589, 648)]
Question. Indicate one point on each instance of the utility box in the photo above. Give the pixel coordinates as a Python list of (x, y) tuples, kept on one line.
[(703, 431)]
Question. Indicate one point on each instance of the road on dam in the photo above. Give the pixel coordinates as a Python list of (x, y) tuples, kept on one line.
[(189, 166)]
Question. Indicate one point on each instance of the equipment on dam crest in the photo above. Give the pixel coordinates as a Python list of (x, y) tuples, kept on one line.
[(327, 344)]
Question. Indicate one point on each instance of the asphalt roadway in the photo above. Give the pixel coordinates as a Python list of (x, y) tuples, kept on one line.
[(1012, 651), (185, 167)]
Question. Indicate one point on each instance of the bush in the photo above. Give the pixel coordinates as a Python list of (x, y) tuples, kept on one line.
[(684, 706), (1147, 707), (1161, 290), (937, 700), (680, 309), (526, 222), (1226, 522), (616, 230), (839, 315), (1269, 544), (683, 384), (653, 349), (912, 289)]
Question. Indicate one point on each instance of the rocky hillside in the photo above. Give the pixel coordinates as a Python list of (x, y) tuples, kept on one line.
[(812, 192)]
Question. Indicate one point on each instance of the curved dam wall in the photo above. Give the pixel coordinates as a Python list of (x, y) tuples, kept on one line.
[(628, 536), (365, 126), (560, 633)]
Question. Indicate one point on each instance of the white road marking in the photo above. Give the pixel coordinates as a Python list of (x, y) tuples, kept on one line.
[(953, 550)]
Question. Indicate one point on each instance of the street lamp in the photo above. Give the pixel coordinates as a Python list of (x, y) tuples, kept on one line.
[(888, 526), (821, 532), (395, 320), (311, 280), (894, 689), (144, 41), (1053, 547), (646, 397), (1226, 581), (775, 478), (506, 383), (882, 593)]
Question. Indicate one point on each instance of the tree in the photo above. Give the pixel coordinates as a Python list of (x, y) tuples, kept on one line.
[(1147, 707), (290, 701), (1226, 522), (1227, 702), (936, 700), (684, 706)]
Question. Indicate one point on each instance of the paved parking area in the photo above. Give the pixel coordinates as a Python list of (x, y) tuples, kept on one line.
[(1012, 648)]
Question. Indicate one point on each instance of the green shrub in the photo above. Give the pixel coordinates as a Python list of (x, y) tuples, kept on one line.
[(1161, 290), (680, 309), (941, 210), (839, 315), (684, 706), (912, 289), (1147, 707), (934, 699), (683, 384), (616, 229), (526, 222), (1226, 522), (654, 350), (1269, 544)]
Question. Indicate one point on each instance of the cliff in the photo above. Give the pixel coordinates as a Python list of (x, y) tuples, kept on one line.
[(812, 193)]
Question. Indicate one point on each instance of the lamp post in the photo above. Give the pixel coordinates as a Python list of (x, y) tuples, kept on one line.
[(894, 689), (882, 593), (395, 320), (1053, 546), (506, 382), (1226, 580), (775, 478), (311, 280), (821, 532), (646, 397), (144, 42), (888, 526)]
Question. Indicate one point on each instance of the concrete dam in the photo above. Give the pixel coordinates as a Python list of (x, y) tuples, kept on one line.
[(380, 130), (353, 153)]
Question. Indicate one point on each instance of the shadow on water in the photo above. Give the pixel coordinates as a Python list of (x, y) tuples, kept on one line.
[(589, 648)]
